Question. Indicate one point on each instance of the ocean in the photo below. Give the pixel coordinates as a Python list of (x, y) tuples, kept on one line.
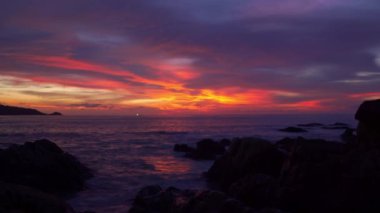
[(127, 153)]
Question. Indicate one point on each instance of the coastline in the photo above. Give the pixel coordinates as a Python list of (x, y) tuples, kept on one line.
[(155, 165)]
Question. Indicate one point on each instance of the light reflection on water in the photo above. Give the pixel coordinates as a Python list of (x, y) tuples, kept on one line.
[(127, 153), (167, 165)]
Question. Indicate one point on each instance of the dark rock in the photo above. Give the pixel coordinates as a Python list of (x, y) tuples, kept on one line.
[(285, 144), (337, 125), (322, 176), (306, 156), (257, 190), (293, 129), (148, 191), (369, 112), (246, 156), (225, 142), (368, 129), (340, 124), (56, 113), (311, 125), (206, 149), (183, 148), (296, 179), (171, 200), (349, 136), (43, 165), (17, 198), (307, 175)]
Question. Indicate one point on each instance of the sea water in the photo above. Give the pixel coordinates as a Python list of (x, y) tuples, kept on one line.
[(127, 153)]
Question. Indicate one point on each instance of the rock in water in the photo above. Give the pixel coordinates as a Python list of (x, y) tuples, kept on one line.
[(293, 129), (43, 165), (368, 129), (349, 136), (310, 125), (183, 148), (206, 149)]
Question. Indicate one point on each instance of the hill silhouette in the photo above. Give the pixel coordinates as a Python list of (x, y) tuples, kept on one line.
[(13, 110)]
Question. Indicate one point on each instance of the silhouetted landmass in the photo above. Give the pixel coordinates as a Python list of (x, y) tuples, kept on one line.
[(56, 113), (12, 110), (292, 175)]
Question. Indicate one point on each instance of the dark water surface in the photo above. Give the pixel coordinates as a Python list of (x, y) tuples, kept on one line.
[(127, 153)]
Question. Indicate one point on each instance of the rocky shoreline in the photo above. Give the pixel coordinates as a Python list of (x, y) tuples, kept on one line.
[(247, 175), (291, 175)]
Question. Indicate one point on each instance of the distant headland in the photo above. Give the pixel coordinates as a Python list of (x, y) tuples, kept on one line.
[(13, 110)]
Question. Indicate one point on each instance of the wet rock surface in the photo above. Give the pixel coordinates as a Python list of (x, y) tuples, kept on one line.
[(44, 166), (37, 175), (245, 157), (173, 200), (334, 126), (312, 175), (308, 175), (206, 149), (18, 198), (293, 129), (311, 125), (368, 129)]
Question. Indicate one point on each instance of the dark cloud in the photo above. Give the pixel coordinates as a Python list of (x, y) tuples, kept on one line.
[(315, 48)]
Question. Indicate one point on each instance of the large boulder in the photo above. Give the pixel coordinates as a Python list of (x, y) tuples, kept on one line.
[(183, 148), (257, 190), (309, 176), (246, 156), (368, 129), (17, 198), (43, 165), (154, 199), (206, 149)]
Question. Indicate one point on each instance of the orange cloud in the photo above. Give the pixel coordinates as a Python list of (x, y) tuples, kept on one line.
[(73, 64), (169, 94), (368, 95)]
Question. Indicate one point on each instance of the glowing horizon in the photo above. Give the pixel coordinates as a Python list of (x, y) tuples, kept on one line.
[(170, 57)]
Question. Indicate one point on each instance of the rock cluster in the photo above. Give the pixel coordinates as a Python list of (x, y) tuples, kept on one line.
[(173, 200), (302, 175), (294, 175)]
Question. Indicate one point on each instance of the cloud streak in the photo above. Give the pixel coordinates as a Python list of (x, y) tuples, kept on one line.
[(206, 56)]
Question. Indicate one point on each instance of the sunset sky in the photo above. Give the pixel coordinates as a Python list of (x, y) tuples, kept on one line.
[(189, 56)]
